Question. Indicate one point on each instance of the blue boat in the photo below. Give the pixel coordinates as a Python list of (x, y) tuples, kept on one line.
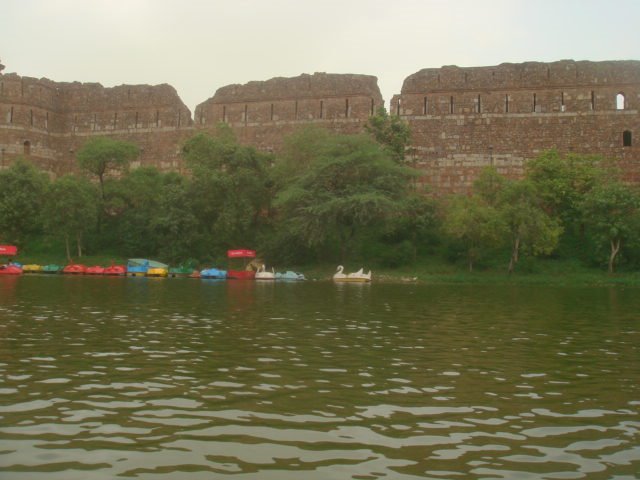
[(289, 275), (213, 273), (139, 267)]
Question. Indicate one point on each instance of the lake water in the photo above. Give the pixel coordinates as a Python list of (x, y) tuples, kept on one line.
[(104, 378)]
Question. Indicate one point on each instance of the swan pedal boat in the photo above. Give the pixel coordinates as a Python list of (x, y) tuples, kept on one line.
[(262, 274), (355, 277)]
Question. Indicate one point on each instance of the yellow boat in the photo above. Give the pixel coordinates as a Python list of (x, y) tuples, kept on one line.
[(158, 272), (32, 268)]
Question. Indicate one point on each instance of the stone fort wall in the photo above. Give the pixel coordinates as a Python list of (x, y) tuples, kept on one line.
[(263, 113), (49, 121), (461, 119)]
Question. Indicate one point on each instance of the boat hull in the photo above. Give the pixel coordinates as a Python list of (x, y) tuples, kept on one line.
[(96, 270), (32, 268), (115, 270), (352, 280), (213, 273), (10, 270), (157, 272), (241, 274), (52, 268), (74, 269)]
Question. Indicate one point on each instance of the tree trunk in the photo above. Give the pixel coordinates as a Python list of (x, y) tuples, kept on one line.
[(514, 254), (66, 243), (615, 248), (79, 243)]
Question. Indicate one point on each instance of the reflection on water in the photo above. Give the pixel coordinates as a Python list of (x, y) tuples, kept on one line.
[(153, 378)]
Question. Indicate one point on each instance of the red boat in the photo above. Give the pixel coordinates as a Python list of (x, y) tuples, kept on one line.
[(9, 268), (95, 270), (115, 270), (75, 269), (247, 273)]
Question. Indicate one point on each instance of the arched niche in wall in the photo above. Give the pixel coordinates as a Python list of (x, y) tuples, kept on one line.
[(26, 148)]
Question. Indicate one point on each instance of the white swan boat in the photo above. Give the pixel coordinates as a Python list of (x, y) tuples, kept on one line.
[(262, 274), (356, 277)]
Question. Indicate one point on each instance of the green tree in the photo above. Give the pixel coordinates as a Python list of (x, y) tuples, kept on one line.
[(22, 189), (416, 222), (300, 149), (231, 187), (352, 184), (611, 211), (391, 132), (70, 210), (132, 204), (530, 227), (175, 225), (489, 185), (477, 224), (100, 155), (561, 182)]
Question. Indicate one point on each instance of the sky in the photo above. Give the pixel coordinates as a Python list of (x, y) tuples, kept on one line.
[(198, 46)]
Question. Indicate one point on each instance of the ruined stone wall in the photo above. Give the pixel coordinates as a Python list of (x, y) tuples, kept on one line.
[(263, 113), (463, 119), (49, 121)]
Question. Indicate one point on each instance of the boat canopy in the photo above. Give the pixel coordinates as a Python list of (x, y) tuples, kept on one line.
[(241, 253), (143, 262), (8, 250)]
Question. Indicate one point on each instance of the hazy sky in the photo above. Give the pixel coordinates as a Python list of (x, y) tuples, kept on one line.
[(200, 45)]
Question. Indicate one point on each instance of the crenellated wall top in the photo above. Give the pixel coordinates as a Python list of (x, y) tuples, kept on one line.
[(563, 73), (318, 85)]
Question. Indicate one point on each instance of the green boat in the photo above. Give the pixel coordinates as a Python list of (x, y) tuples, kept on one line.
[(52, 268), (181, 271)]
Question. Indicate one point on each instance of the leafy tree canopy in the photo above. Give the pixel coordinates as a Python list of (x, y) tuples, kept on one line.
[(561, 181), (611, 211), (391, 132), (22, 189), (70, 209), (101, 154), (231, 186), (351, 184), (531, 229), (477, 224)]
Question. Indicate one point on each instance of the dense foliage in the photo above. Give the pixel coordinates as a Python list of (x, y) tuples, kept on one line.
[(324, 198)]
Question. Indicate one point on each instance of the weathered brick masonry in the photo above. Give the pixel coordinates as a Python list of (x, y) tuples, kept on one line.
[(461, 119), (262, 113), (48, 121)]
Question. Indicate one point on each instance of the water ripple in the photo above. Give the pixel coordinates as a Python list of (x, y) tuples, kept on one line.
[(202, 380)]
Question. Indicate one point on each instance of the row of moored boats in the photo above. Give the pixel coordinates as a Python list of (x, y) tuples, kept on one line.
[(141, 267)]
